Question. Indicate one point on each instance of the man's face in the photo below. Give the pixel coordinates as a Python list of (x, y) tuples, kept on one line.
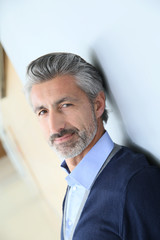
[(65, 115)]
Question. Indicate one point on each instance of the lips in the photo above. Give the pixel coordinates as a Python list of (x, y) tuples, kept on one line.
[(64, 138)]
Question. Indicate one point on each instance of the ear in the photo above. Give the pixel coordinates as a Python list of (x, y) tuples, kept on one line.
[(99, 104)]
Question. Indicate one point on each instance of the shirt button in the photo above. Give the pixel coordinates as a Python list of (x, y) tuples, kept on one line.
[(74, 188), (69, 223)]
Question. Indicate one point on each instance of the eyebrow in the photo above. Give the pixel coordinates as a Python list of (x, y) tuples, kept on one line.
[(38, 108)]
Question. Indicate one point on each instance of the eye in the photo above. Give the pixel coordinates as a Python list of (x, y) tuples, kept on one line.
[(42, 112), (65, 105)]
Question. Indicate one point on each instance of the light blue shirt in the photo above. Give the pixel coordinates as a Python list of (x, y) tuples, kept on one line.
[(82, 177)]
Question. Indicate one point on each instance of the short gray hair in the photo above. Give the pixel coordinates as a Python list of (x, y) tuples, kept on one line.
[(52, 65)]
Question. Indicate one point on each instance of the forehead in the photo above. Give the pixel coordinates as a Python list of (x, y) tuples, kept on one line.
[(58, 87)]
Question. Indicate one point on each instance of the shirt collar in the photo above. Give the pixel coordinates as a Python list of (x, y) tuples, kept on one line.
[(86, 171)]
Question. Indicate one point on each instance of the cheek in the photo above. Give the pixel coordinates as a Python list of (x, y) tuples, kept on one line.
[(45, 128), (83, 120), (74, 121)]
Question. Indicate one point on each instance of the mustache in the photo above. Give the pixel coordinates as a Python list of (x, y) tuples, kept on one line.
[(62, 133)]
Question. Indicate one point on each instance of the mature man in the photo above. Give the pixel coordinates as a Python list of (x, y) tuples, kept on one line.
[(113, 193)]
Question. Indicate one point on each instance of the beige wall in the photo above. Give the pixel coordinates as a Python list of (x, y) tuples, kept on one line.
[(2, 151), (24, 137)]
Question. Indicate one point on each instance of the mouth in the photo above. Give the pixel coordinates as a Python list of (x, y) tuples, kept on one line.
[(64, 138)]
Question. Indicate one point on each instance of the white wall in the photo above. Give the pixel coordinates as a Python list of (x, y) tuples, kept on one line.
[(124, 38)]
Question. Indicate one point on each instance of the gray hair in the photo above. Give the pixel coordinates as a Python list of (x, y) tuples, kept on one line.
[(52, 65)]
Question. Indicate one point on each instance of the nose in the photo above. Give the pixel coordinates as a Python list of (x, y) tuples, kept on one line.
[(56, 122)]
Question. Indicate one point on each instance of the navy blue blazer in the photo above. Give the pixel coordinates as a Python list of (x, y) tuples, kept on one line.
[(124, 202)]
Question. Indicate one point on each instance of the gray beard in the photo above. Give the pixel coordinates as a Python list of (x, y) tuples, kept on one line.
[(73, 148)]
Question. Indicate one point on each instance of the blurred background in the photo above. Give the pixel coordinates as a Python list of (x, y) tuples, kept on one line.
[(121, 38)]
